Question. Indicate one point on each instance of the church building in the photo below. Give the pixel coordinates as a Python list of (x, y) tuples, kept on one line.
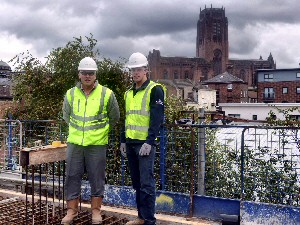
[(212, 56)]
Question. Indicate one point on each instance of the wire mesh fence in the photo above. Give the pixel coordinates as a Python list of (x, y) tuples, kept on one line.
[(238, 162), (10, 144)]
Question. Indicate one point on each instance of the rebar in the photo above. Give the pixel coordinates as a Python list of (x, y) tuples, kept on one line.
[(13, 212)]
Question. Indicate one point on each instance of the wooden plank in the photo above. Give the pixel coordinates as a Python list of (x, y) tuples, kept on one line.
[(45, 154)]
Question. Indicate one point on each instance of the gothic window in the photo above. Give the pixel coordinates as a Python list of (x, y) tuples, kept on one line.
[(216, 31), (191, 76), (165, 74), (217, 61), (186, 74), (175, 74), (243, 75), (205, 74)]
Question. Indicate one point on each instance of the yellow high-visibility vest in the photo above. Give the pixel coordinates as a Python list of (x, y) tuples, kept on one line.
[(89, 123), (138, 112)]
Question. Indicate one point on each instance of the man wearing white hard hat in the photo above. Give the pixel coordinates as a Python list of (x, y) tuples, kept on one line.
[(144, 105), (91, 110)]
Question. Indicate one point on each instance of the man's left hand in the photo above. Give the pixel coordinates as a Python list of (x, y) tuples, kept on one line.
[(145, 149)]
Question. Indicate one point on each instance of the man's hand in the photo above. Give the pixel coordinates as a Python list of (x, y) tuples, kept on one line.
[(145, 149), (123, 149)]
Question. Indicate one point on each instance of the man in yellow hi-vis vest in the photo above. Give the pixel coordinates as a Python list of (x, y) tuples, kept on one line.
[(144, 104), (91, 110)]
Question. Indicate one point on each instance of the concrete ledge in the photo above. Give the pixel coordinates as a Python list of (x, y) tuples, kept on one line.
[(162, 219)]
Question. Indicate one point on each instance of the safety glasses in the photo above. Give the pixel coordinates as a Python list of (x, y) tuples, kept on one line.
[(87, 72), (138, 69)]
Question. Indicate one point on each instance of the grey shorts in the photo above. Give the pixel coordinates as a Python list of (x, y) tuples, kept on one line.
[(91, 159)]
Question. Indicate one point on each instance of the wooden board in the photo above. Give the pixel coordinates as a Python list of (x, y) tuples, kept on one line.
[(45, 154)]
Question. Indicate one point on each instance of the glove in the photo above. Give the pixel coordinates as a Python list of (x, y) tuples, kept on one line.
[(123, 149), (145, 149)]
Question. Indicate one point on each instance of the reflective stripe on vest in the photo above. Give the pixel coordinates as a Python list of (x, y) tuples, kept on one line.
[(89, 123), (138, 115)]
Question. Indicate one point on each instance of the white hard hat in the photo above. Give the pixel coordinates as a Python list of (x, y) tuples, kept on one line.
[(137, 60), (87, 63)]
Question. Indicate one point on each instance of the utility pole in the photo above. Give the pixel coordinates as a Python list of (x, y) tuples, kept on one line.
[(201, 153)]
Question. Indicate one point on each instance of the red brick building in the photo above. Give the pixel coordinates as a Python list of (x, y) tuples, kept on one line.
[(212, 56), (278, 85), (229, 88)]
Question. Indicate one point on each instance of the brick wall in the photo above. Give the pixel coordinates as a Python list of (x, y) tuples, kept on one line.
[(233, 95), (291, 96)]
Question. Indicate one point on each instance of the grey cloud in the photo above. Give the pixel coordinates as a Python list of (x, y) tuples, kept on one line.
[(122, 27), (259, 11), (115, 51), (157, 18), (242, 42)]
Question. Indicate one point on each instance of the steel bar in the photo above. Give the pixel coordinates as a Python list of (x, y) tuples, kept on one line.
[(14, 211)]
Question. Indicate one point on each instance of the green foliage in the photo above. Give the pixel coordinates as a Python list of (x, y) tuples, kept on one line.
[(288, 120), (270, 173), (271, 179), (284, 182), (178, 158), (112, 75), (173, 108), (222, 171), (40, 88)]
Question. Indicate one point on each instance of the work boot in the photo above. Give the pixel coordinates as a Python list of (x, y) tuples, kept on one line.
[(137, 221), (72, 211), (96, 205)]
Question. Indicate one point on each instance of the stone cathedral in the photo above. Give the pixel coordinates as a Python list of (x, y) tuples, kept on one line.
[(212, 56)]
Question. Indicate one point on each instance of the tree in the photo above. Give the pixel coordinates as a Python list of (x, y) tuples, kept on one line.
[(173, 108), (40, 88)]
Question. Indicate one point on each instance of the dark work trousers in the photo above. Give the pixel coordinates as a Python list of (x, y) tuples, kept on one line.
[(142, 176), (93, 159)]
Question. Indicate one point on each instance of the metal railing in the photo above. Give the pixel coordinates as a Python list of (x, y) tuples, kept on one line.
[(254, 163), (10, 143)]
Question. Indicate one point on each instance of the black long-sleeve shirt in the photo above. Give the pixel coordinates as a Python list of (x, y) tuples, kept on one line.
[(156, 113)]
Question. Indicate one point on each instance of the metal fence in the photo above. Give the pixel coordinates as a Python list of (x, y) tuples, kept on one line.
[(10, 144), (254, 163)]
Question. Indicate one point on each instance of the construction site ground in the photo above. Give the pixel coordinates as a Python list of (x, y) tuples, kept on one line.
[(125, 214)]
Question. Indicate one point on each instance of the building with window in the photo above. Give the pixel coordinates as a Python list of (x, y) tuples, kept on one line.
[(258, 111), (5, 87), (228, 88), (5, 81), (278, 85), (212, 55)]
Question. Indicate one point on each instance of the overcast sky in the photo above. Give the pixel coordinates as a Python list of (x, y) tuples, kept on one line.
[(256, 27)]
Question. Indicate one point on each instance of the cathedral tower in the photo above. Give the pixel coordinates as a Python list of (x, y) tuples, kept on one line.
[(212, 38)]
